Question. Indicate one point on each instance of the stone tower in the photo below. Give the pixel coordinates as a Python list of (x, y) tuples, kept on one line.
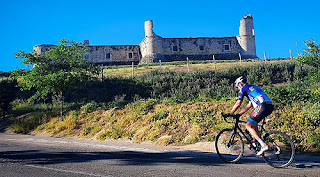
[(246, 38), (151, 46), (148, 28)]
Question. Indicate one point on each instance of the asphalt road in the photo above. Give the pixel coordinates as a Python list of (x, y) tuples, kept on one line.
[(35, 156)]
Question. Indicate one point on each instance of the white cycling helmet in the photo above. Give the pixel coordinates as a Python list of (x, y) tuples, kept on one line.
[(240, 80)]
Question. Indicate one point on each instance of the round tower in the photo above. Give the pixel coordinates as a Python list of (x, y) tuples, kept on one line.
[(246, 38), (148, 28), (151, 46)]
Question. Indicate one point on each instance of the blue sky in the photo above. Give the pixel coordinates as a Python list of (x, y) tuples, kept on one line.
[(278, 24)]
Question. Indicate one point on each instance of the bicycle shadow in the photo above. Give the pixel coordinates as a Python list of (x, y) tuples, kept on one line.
[(125, 157)]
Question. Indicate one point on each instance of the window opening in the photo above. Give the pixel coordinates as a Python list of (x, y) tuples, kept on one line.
[(226, 47), (175, 48)]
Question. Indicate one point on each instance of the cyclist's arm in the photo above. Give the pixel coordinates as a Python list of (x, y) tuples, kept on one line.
[(235, 107), (245, 109)]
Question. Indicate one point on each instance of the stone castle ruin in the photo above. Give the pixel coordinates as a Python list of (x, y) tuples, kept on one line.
[(154, 48)]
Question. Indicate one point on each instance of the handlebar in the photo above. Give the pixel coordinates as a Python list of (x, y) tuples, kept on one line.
[(234, 116)]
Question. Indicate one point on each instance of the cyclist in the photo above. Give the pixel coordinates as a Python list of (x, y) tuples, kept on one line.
[(262, 108)]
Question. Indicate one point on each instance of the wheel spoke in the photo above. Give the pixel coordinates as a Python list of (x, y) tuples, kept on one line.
[(229, 146), (281, 150)]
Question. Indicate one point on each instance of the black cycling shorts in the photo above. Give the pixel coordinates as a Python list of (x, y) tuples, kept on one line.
[(261, 111)]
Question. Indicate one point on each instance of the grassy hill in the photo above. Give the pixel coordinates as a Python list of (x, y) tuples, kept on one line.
[(173, 106)]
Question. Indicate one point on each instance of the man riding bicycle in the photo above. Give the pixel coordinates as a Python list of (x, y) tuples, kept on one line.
[(262, 108)]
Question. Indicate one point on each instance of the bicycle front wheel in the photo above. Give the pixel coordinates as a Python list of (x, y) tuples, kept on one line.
[(281, 149), (229, 146)]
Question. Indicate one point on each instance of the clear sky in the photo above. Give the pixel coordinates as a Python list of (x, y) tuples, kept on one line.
[(279, 25)]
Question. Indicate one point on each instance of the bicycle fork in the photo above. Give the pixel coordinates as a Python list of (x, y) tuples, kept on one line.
[(229, 143)]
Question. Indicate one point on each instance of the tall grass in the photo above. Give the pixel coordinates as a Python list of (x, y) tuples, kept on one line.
[(200, 85), (178, 124), (178, 107)]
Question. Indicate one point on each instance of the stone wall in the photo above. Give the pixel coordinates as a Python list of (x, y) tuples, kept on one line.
[(42, 48), (247, 46), (109, 54), (151, 49), (200, 46), (154, 48), (114, 53)]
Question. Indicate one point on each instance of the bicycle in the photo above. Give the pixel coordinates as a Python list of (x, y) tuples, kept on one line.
[(230, 145)]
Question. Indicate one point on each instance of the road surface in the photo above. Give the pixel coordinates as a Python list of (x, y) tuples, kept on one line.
[(35, 156)]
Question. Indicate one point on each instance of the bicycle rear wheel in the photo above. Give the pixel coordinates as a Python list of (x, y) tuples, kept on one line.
[(229, 146), (281, 149)]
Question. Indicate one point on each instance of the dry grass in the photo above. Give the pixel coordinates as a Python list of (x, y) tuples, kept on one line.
[(145, 121), (126, 71), (179, 124)]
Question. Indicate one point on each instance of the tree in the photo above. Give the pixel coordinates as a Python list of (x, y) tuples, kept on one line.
[(56, 71), (311, 56), (8, 91)]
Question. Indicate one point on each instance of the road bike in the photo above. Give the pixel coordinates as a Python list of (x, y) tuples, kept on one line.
[(230, 144)]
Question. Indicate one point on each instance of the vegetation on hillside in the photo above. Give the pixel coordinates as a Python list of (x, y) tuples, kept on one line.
[(177, 107), (171, 106), (7, 94), (56, 71), (311, 57)]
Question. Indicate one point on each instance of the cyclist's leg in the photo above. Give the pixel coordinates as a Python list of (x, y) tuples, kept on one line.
[(255, 117), (253, 128)]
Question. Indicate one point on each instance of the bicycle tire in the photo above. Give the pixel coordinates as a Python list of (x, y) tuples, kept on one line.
[(281, 149), (229, 152)]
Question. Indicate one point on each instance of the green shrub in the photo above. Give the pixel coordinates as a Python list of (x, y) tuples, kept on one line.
[(87, 131), (313, 139), (89, 107), (291, 93), (183, 87), (137, 114), (114, 134), (313, 114), (30, 122)]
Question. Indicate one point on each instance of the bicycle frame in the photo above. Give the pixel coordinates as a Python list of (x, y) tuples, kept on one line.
[(242, 133), (248, 137)]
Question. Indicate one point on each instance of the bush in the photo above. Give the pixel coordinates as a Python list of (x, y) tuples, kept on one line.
[(295, 92), (313, 114), (137, 114), (8, 93), (202, 85), (89, 107), (310, 57)]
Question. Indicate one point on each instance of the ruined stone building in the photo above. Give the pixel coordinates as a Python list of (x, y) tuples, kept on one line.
[(154, 48)]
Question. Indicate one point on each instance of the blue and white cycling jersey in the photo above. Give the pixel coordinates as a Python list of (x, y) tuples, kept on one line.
[(255, 95)]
